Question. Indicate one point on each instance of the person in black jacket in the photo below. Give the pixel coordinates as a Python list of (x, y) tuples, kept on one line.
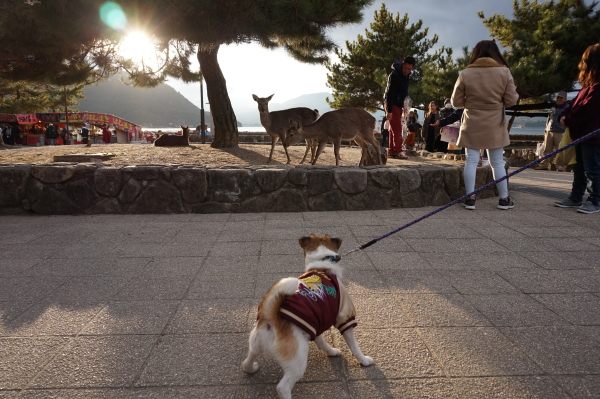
[(395, 93), (51, 134)]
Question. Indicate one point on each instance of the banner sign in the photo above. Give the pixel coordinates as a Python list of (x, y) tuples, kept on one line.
[(101, 119), (49, 118), (29, 118), (7, 118)]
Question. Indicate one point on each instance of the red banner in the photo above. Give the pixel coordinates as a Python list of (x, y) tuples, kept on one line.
[(7, 118), (110, 120), (28, 118)]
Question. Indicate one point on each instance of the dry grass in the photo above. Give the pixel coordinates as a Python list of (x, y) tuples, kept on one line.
[(202, 154)]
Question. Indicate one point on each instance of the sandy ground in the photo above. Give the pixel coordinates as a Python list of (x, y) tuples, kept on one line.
[(202, 154)]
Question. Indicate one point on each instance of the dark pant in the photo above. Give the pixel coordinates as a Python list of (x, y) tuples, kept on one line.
[(385, 136), (586, 169)]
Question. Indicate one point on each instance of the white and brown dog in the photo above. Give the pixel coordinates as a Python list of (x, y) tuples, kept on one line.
[(296, 310)]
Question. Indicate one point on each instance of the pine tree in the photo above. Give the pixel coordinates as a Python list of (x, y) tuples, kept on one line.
[(545, 41), (22, 97), (64, 41), (358, 80), (440, 76)]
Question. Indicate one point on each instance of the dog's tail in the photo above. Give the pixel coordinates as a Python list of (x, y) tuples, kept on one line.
[(271, 302)]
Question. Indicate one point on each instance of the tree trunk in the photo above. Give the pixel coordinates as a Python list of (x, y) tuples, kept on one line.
[(225, 132)]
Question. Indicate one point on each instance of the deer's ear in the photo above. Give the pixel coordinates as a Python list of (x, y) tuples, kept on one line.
[(270, 97), (291, 122), (297, 125), (255, 97)]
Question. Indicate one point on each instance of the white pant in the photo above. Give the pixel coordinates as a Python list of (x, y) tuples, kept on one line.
[(497, 162)]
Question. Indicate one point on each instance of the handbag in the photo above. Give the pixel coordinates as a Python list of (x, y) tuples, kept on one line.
[(566, 157)]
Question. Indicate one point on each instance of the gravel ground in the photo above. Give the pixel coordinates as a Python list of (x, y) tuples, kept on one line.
[(203, 154)]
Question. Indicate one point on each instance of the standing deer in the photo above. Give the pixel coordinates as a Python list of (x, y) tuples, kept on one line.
[(276, 123), (174, 140), (334, 126)]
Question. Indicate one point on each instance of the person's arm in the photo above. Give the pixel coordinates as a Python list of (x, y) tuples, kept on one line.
[(450, 119), (458, 95), (510, 97), (586, 109), (390, 94)]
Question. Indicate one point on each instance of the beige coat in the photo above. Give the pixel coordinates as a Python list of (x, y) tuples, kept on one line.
[(484, 89)]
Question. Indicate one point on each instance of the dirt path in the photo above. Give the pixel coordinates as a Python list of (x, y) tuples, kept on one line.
[(203, 154)]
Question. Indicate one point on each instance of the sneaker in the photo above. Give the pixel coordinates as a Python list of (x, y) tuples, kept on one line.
[(393, 155), (588, 207), (402, 155), (505, 203), (568, 203), (540, 166), (469, 203)]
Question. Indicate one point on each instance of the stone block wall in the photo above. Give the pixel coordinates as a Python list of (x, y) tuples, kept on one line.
[(97, 189)]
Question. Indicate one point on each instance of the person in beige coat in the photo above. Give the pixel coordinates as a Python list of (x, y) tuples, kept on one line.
[(485, 89)]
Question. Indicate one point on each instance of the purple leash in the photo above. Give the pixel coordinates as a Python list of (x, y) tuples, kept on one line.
[(491, 184)]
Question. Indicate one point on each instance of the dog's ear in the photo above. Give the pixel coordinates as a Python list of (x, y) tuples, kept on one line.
[(337, 242), (304, 241)]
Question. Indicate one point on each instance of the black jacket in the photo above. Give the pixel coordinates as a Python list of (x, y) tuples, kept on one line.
[(51, 132), (397, 87), (453, 117)]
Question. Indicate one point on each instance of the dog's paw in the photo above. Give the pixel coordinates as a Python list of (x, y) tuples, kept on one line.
[(334, 352), (367, 361), (250, 369)]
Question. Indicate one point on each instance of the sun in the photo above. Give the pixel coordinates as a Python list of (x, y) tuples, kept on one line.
[(138, 47)]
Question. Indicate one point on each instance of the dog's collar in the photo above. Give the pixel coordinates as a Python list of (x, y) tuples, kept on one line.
[(332, 258)]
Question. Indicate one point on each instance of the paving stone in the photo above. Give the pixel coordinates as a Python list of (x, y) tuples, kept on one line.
[(23, 358), (323, 390), (560, 350), (414, 388), (478, 282), (397, 353), (228, 265), (174, 266), (436, 310), (146, 393), (132, 317), (580, 386), (97, 362), (556, 260), (194, 359), (51, 318), (214, 287), (579, 309), (28, 289), (505, 310), (154, 287), (529, 387), (477, 351), (540, 281), (411, 281), (210, 316)]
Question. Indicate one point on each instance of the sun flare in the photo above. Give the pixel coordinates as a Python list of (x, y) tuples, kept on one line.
[(137, 46)]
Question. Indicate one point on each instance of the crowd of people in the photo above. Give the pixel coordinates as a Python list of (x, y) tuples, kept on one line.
[(481, 95)]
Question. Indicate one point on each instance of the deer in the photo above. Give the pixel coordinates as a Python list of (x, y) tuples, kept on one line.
[(174, 140), (276, 123), (334, 126)]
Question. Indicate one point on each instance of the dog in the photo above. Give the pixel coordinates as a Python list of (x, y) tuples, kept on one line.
[(297, 310)]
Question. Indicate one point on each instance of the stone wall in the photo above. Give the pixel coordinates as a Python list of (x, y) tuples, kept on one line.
[(87, 188)]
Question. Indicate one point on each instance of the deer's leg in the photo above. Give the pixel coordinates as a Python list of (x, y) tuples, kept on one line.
[(274, 140), (289, 160), (336, 150), (308, 147), (313, 148), (319, 151)]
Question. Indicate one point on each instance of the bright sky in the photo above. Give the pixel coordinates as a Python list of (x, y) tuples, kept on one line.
[(250, 69)]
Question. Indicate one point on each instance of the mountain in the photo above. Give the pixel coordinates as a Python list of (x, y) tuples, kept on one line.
[(249, 117), (160, 106)]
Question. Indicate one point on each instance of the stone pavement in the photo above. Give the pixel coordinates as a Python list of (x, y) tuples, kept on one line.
[(465, 304)]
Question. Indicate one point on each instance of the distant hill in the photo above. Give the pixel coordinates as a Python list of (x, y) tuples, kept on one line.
[(159, 106), (313, 101)]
